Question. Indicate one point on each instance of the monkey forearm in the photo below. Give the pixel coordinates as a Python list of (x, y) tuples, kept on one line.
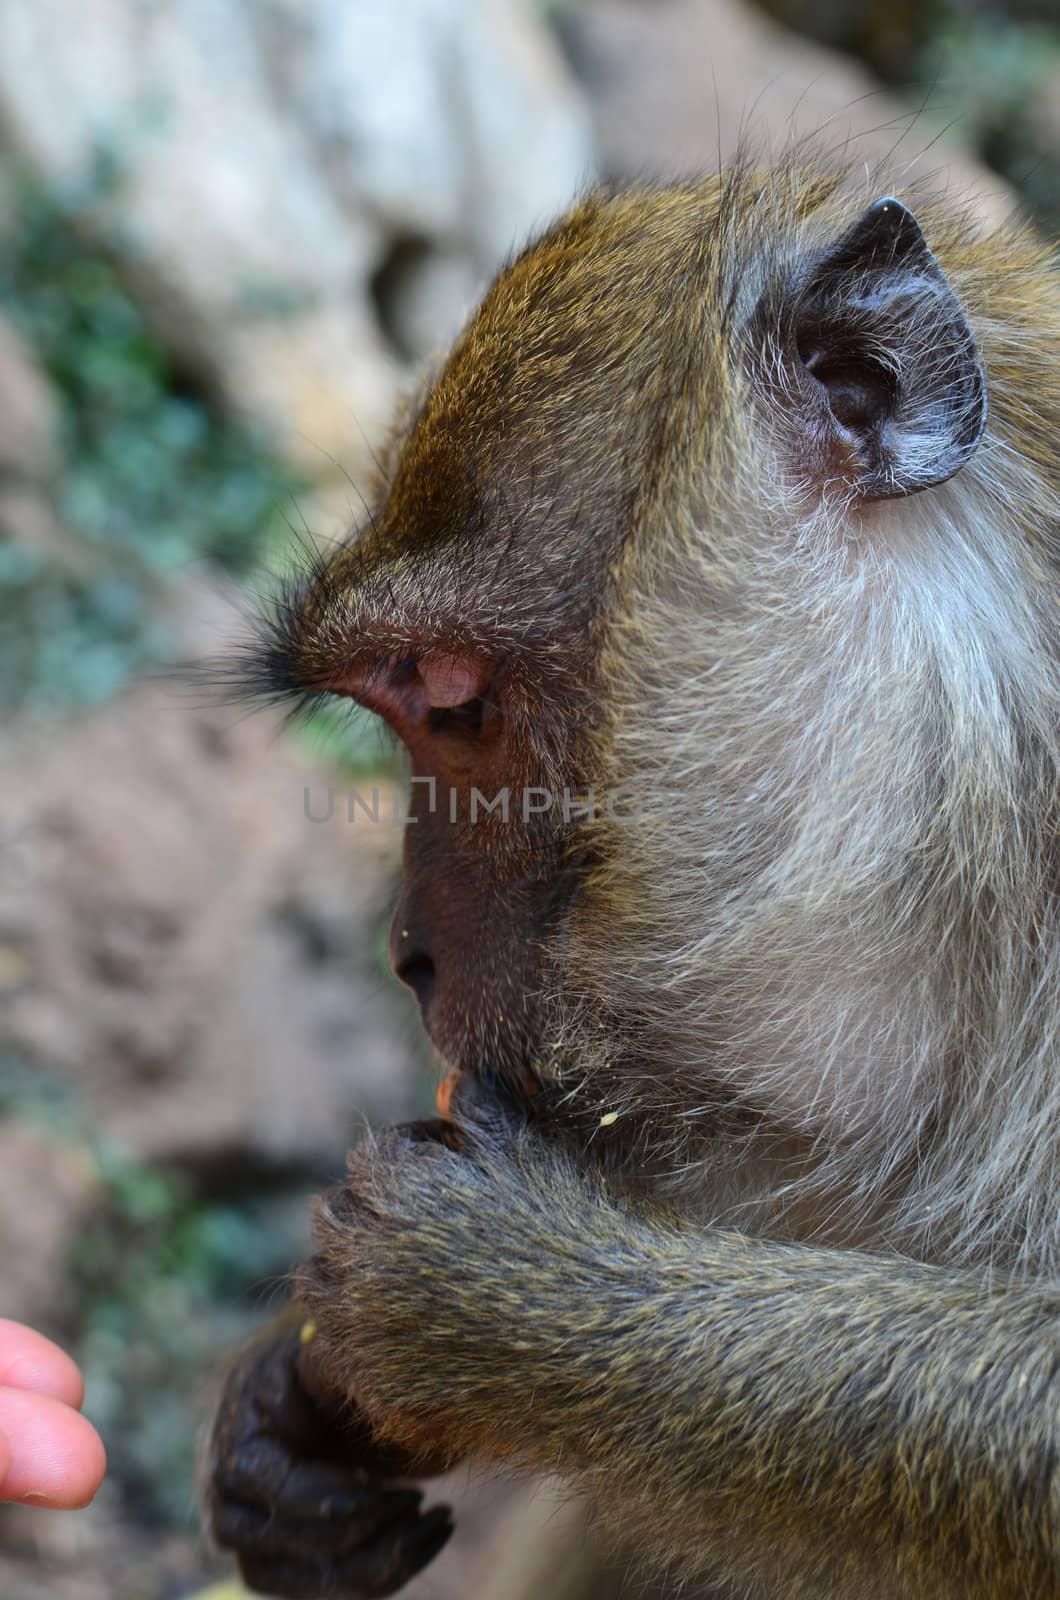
[(823, 1409), (888, 1427)]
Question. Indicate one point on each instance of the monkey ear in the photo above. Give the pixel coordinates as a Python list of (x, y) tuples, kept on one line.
[(885, 361)]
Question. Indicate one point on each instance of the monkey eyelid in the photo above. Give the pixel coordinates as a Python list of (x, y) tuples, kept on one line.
[(433, 692), (451, 680)]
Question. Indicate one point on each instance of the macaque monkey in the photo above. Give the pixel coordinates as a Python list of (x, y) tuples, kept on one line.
[(726, 542)]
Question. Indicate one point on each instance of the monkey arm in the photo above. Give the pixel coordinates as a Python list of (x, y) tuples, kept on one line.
[(875, 1425)]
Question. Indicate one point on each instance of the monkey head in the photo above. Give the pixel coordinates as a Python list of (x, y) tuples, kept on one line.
[(671, 588)]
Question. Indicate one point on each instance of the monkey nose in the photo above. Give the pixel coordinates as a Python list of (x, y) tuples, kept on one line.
[(414, 966)]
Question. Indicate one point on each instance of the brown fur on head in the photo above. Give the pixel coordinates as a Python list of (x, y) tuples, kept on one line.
[(702, 509)]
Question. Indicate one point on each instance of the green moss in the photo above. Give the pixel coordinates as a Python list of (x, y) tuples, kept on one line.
[(155, 481), (992, 74), (168, 1280), (168, 1272), (977, 66)]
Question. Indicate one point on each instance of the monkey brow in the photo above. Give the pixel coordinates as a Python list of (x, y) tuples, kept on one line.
[(389, 589), (308, 625)]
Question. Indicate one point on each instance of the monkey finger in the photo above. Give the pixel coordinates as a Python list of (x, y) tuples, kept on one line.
[(345, 1523), (484, 1109), (264, 1475), (378, 1569), (428, 1130), (277, 1405)]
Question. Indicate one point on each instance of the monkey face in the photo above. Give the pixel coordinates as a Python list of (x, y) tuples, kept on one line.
[(608, 537), (468, 612)]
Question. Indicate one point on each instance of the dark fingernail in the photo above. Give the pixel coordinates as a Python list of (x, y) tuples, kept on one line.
[(400, 1503), (433, 1529), (436, 1520)]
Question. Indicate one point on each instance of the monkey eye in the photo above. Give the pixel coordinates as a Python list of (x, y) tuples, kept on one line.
[(432, 694), (466, 718), (454, 687)]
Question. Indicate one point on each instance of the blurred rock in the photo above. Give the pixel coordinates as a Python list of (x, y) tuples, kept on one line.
[(46, 1186), (272, 159), (29, 429), (95, 1554), (184, 949), (450, 122), (678, 86)]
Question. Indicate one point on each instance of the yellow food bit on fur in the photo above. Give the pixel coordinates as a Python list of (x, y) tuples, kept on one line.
[(307, 1332), (608, 1118)]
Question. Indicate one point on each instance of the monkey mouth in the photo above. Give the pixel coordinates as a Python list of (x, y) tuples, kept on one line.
[(494, 1053)]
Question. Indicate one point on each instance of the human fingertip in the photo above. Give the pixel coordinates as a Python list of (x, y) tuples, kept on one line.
[(56, 1459), (30, 1361)]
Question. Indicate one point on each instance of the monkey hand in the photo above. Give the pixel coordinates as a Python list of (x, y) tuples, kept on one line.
[(444, 1278), (297, 1488)]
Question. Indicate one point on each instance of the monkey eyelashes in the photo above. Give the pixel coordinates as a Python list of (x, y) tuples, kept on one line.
[(883, 390)]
